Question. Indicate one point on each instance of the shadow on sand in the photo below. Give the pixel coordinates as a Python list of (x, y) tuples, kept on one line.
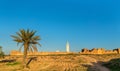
[(7, 60)]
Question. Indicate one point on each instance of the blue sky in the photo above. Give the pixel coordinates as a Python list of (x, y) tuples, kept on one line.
[(84, 23)]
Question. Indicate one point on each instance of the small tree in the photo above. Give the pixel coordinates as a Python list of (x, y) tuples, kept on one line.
[(1, 52), (28, 40)]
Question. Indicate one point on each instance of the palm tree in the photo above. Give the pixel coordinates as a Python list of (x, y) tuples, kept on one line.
[(28, 40)]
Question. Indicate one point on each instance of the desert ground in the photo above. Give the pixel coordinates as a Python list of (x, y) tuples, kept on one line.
[(68, 62)]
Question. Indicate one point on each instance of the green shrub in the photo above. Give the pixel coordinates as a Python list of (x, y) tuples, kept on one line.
[(113, 64), (2, 55), (13, 63)]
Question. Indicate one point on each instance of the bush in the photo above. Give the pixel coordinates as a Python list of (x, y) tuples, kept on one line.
[(2, 55), (113, 64)]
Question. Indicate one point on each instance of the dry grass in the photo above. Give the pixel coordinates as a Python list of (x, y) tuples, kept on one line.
[(57, 63)]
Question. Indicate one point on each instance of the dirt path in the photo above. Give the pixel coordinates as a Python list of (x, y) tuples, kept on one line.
[(98, 67), (102, 68)]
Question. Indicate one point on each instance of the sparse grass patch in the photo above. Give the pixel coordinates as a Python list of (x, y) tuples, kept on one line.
[(81, 61), (13, 63)]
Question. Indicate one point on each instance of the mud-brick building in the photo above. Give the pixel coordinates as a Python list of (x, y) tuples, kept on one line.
[(100, 51)]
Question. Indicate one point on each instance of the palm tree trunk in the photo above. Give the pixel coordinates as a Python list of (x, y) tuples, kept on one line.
[(25, 55)]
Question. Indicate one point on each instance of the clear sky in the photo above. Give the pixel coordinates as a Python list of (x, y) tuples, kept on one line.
[(84, 23)]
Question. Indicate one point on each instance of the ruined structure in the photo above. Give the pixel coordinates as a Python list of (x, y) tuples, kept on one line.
[(83, 51), (100, 51)]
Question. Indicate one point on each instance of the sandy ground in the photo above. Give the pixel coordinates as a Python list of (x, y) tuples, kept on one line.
[(58, 63)]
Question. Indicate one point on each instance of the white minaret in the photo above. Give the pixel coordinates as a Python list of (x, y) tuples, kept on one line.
[(67, 47)]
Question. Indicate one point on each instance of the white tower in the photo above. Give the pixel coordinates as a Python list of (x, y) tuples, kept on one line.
[(67, 47)]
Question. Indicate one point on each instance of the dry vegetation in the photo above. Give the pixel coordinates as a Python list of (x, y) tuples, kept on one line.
[(57, 63)]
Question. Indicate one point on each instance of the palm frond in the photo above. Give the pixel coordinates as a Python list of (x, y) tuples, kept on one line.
[(30, 49), (33, 42), (15, 37), (21, 47), (35, 38), (19, 34), (32, 33), (18, 43), (39, 44), (23, 34), (18, 40), (35, 48)]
